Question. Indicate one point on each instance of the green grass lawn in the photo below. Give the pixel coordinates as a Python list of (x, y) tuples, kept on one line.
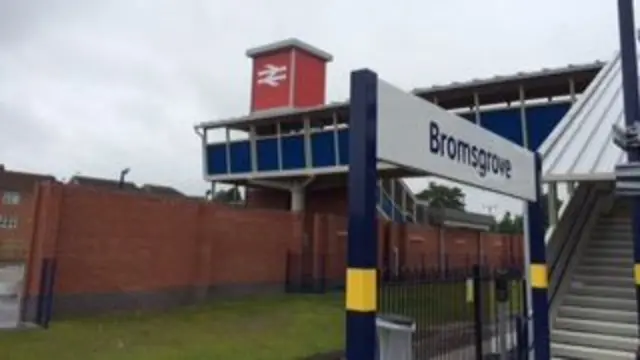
[(274, 328), (284, 327)]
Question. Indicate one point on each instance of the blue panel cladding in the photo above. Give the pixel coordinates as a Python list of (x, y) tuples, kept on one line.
[(267, 152), (240, 157), (505, 123), (398, 214), (323, 149), (387, 206), (343, 146), (216, 159), (293, 152), (541, 120)]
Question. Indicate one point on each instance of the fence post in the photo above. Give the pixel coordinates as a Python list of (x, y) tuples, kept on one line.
[(477, 307), (50, 291), (42, 292), (525, 312)]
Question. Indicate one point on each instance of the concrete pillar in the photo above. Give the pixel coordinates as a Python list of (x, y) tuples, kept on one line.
[(297, 198), (571, 187)]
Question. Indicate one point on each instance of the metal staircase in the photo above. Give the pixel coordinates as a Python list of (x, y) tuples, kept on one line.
[(593, 315)]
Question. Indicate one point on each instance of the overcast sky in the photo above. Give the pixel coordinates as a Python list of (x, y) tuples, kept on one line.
[(95, 86)]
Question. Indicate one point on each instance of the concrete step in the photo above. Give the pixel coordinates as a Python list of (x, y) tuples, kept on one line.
[(621, 271), (608, 237), (588, 353), (615, 219), (608, 243), (604, 303), (614, 222), (599, 280), (603, 291), (591, 313), (626, 262), (597, 327), (612, 228), (609, 253), (611, 233), (599, 341)]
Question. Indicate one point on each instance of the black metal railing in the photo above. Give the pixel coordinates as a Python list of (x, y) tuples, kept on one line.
[(458, 312)]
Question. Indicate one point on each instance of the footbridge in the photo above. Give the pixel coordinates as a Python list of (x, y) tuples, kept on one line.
[(590, 247)]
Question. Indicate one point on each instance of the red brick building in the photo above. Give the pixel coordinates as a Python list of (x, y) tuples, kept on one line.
[(16, 211)]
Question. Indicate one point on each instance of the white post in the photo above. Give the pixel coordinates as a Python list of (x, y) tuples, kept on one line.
[(476, 108), (572, 90), (297, 198), (523, 119), (527, 271), (552, 204), (254, 148)]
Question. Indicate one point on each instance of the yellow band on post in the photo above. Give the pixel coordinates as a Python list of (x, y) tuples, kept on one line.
[(636, 273), (539, 277), (361, 289)]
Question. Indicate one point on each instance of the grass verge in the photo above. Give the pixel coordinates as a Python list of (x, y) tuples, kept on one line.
[(272, 328)]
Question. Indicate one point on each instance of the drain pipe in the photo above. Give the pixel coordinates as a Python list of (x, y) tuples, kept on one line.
[(632, 115)]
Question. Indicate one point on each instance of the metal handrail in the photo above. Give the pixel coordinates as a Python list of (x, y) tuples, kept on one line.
[(581, 207), (574, 236)]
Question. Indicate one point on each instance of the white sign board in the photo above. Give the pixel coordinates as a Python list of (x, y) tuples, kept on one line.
[(415, 133)]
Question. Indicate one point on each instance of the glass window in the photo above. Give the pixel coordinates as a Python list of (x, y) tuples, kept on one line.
[(8, 222), (11, 198)]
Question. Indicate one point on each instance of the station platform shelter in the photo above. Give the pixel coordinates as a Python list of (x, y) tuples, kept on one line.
[(290, 151)]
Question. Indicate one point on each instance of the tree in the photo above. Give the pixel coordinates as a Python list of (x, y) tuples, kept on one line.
[(442, 196), (229, 196), (510, 224), (506, 224)]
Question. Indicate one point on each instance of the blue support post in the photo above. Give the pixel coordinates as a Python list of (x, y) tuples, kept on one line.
[(539, 276), (362, 249), (632, 114)]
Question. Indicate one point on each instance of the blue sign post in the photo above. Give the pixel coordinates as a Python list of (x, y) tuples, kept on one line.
[(387, 124), (362, 249), (539, 278)]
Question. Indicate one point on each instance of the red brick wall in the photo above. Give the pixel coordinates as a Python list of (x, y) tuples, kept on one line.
[(108, 242), (325, 201), (414, 246), (119, 242), (268, 199)]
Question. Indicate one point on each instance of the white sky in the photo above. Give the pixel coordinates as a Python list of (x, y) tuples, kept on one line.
[(96, 86)]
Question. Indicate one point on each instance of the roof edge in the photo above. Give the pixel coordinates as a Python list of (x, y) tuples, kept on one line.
[(504, 78), (289, 43)]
